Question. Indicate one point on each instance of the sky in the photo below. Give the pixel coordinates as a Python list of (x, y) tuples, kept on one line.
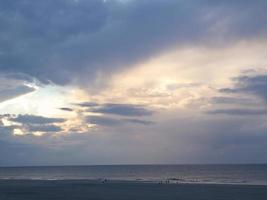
[(87, 82)]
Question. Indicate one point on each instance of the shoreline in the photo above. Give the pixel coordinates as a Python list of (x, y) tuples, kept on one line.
[(87, 190), (120, 181)]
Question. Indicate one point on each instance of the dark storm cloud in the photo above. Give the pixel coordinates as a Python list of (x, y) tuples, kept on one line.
[(33, 119), (60, 40)]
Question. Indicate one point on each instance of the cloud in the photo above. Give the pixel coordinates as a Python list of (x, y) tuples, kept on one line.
[(28, 125), (87, 104), (240, 112), (12, 87), (245, 97), (139, 121), (212, 140), (10, 93), (66, 109), (33, 119), (82, 40), (113, 115), (250, 84), (113, 122), (44, 128), (103, 121), (5, 131), (231, 100), (121, 109)]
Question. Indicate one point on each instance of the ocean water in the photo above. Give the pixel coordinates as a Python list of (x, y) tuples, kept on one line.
[(210, 174)]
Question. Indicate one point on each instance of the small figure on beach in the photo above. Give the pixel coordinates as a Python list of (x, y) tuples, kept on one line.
[(104, 181)]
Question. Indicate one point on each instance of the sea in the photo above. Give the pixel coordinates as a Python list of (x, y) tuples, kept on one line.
[(192, 174)]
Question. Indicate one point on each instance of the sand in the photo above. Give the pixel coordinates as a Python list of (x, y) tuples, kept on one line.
[(94, 190)]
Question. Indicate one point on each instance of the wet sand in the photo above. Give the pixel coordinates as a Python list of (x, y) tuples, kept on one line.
[(115, 190)]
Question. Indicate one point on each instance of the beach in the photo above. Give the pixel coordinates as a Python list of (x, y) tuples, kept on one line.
[(124, 190)]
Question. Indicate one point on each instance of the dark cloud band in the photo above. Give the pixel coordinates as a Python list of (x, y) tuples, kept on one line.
[(33, 119), (67, 40)]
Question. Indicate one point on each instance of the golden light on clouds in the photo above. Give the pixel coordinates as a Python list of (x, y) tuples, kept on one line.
[(38, 133), (18, 132), (180, 79), (186, 74)]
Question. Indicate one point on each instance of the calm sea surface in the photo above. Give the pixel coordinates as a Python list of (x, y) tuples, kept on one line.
[(219, 174)]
